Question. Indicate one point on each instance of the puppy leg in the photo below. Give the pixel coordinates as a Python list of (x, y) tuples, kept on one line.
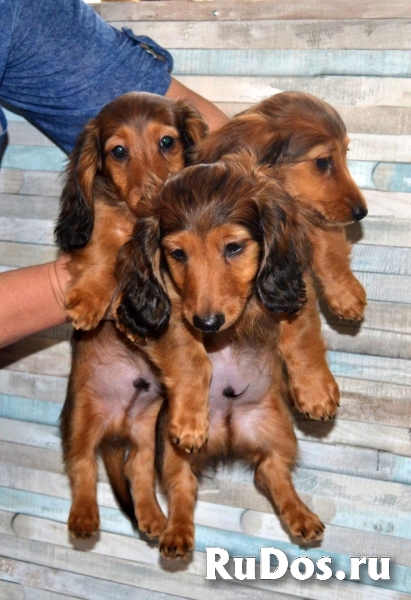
[(186, 374), (80, 444), (312, 384), (89, 297), (180, 483), (343, 292), (140, 471), (273, 477), (92, 268), (273, 472)]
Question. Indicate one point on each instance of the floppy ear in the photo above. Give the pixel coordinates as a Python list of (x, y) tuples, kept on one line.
[(280, 284), (190, 124), (76, 219), (144, 307)]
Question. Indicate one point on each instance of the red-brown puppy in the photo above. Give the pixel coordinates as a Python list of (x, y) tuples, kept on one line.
[(113, 393), (227, 246), (305, 142), (135, 136)]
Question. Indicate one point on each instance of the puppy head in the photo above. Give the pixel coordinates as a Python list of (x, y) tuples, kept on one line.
[(306, 142), (310, 156), (133, 137), (225, 232)]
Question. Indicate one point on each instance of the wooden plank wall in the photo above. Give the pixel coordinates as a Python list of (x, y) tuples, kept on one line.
[(356, 472)]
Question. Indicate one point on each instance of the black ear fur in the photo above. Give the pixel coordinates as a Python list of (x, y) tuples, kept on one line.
[(280, 284), (145, 307), (76, 219)]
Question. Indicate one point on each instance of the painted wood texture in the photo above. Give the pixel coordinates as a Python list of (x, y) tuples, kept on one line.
[(307, 34), (354, 471), (292, 63), (233, 10), (345, 90), (102, 565)]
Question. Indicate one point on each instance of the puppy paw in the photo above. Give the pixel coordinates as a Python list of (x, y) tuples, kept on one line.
[(85, 310), (303, 523), (317, 396), (84, 522), (177, 541), (348, 302), (151, 522), (189, 431)]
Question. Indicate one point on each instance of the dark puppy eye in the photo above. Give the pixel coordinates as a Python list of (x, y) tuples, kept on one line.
[(233, 249), (324, 164), (119, 152), (167, 142), (179, 255)]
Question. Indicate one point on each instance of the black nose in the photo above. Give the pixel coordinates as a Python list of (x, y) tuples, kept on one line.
[(209, 322), (359, 213)]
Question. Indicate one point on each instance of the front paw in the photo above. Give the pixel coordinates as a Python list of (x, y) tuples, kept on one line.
[(303, 523), (84, 520), (317, 395), (177, 541), (348, 301), (85, 309), (189, 431)]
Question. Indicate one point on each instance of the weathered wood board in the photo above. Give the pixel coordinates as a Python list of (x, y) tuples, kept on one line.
[(355, 471)]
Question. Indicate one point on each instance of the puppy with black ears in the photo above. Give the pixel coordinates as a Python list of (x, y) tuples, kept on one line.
[(134, 138), (304, 141), (113, 393), (223, 251)]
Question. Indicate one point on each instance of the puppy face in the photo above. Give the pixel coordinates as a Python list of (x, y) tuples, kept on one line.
[(213, 272), (135, 138), (305, 141), (132, 154), (141, 135), (321, 180), (223, 231)]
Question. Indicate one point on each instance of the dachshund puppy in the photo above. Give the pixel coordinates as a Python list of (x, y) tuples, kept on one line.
[(136, 135), (225, 243), (113, 395), (305, 142)]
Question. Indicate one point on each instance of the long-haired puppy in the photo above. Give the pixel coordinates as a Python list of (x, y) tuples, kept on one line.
[(133, 137), (112, 391), (304, 141), (225, 244)]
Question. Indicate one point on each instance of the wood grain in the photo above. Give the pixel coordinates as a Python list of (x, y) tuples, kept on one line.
[(176, 10), (264, 34), (355, 472)]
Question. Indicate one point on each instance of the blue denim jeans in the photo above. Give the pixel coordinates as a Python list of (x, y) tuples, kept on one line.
[(60, 63)]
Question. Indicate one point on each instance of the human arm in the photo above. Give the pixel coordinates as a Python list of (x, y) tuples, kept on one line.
[(32, 299)]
